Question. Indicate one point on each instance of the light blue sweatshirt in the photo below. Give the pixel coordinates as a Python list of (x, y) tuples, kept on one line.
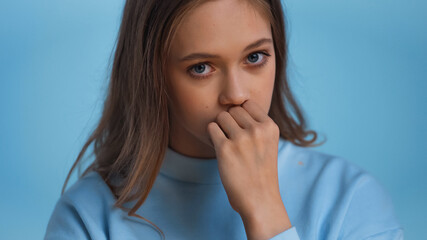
[(326, 197)]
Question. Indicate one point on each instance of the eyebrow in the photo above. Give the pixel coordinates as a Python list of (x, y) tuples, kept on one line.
[(255, 44)]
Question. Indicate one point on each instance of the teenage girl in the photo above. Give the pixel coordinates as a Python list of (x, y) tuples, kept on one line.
[(201, 138)]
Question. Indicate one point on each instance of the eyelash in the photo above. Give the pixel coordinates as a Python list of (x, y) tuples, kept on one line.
[(259, 65)]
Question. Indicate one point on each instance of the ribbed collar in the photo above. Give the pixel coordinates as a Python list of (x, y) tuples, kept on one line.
[(194, 170)]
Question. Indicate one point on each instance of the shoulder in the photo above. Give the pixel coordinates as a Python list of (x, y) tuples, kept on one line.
[(80, 213), (316, 167), (90, 196), (331, 175), (88, 191), (339, 191)]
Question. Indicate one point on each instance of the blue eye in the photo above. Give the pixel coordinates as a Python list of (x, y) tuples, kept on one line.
[(253, 59), (254, 56), (200, 68)]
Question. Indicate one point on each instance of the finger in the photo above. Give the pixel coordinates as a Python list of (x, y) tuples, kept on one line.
[(228, 124), (242, 117), (216, 134), (255, 111)]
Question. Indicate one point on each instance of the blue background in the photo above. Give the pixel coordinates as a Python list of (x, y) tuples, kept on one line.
[(358, 68)]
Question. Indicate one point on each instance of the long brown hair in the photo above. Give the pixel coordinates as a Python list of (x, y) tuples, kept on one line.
[(132, 135)]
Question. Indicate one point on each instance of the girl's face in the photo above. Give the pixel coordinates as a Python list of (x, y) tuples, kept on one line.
[(221, 56)]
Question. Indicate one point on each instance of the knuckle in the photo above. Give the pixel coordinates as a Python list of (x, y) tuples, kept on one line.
[(242, 138), (258, 131), (273, 127)]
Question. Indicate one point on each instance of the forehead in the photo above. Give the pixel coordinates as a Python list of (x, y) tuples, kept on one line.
[(220, 25)]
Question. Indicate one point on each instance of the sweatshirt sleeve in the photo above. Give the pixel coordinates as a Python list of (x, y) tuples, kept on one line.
[(370, 214), (65, 222), (289, 234)]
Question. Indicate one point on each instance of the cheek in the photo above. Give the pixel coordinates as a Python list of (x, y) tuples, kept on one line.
[(195, 113), (271, 75), (192, 102), (192, 106), (266, 76), (263, 90)]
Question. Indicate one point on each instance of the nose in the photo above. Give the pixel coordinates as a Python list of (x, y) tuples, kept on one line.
[(234, 92)]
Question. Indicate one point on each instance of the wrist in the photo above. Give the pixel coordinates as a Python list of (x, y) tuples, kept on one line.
[(267, 222)]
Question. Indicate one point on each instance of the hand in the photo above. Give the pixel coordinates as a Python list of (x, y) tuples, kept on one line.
[(246, 145)]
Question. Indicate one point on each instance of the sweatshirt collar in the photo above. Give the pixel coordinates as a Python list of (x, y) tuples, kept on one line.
[(193, 170), (190, 169)]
